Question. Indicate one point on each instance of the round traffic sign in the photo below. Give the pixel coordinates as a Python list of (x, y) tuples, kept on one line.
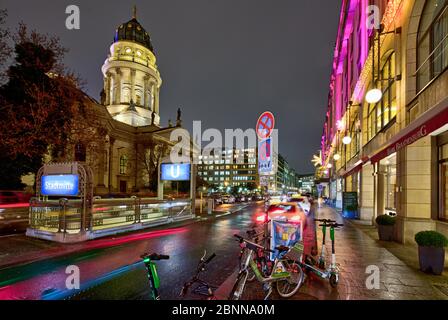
[(265, 125)]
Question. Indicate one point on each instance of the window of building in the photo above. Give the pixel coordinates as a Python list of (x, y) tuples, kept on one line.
[(123, 164), (80, 152), (432, 42), (443, 182), (385, 111)]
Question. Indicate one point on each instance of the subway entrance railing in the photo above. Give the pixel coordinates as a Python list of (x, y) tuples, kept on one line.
[(64, 220), (64, 209)]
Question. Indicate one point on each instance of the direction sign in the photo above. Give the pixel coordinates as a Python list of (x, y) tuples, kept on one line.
[(265, 125)]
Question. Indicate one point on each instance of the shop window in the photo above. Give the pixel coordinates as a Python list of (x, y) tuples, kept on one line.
[(389, 170), (432, 42), (443, 182), (123, 164)]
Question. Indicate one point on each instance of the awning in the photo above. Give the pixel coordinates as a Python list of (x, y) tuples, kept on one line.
[(355, 168), (430, 121)]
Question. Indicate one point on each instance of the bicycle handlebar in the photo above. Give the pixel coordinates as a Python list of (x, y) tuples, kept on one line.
[(155, 256), (241, 239), (334, 225), (325, 220), (207, 261)]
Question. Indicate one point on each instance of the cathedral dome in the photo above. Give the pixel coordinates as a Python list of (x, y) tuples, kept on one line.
[(133, 31)]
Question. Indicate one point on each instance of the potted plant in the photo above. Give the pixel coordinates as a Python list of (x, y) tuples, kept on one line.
[(431, 251), (385, 227)]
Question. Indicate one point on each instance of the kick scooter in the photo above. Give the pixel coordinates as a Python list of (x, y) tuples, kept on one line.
[(332, 272), (151, 269)]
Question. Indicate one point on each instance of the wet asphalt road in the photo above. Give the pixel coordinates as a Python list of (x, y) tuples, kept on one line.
[(111, 272)]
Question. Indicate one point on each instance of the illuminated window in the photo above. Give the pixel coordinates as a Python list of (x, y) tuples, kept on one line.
[(123, 164), (379, 115)]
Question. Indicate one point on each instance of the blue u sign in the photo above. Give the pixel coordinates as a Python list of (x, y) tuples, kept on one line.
[(175, 172), (60, 185)]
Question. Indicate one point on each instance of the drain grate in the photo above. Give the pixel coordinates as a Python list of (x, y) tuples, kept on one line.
[(442, 288)]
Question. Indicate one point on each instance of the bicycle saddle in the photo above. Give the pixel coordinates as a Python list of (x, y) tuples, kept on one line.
[(282, 248)]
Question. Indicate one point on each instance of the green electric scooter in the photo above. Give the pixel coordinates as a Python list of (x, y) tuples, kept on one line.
[(310, 265), (151, 269)]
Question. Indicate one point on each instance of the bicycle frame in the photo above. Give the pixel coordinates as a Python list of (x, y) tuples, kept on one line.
[(250, 262)]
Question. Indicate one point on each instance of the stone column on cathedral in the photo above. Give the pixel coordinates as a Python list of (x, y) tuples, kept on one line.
[(155, 98), (111, 157), (145, 93), (107, 88), (118, 86), (101, 161), (133, 95)]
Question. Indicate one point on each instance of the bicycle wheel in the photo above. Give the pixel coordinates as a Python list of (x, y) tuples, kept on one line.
[(289, 287), (238, 287)]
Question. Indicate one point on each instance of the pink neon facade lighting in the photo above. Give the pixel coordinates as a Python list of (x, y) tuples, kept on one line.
[(350, 55)]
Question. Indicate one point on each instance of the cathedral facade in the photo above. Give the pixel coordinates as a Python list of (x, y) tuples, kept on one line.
[(125, 162)]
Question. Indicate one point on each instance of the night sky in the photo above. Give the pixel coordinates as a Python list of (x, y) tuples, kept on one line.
[(222, 61)]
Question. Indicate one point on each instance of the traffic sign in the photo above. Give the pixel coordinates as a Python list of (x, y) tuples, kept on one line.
[(265, 164), (265, 125)]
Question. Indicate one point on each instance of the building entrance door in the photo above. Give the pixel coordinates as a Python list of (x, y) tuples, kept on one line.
[(123, 186)]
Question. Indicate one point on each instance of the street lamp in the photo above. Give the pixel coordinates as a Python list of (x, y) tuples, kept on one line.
[(347, 140), (337, 157), (374, 96), (329, 166)]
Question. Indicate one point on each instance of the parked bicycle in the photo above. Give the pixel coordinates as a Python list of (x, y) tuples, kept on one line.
[(151, 269), (285, 273), (203, 288)]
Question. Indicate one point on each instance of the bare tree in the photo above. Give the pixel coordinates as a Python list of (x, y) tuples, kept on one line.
[(150, 155)]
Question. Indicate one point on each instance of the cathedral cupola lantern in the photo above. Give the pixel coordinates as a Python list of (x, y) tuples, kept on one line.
[(131, 78)]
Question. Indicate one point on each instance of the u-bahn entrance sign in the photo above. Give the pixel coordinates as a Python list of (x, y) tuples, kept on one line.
[(58, 186)]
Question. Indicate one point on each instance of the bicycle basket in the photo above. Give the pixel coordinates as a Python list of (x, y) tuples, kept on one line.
[(296, 252)]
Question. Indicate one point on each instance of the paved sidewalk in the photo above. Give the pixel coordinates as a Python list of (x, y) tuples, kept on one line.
[(355, 251)]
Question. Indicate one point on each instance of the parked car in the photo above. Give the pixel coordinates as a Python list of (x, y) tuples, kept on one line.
[(217, 198), (228, 199), (240, 198)]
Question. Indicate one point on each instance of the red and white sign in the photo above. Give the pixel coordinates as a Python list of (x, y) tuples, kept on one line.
[(265, 125), (422, 130)]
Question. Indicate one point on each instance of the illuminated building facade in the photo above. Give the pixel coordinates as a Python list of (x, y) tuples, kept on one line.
[(230, 168), (390, 145)]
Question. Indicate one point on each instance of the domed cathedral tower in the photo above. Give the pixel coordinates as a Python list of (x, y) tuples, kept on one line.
[(131, 79)]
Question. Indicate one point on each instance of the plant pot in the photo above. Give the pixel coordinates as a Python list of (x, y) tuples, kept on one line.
[(386, 233), (432, 259)]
